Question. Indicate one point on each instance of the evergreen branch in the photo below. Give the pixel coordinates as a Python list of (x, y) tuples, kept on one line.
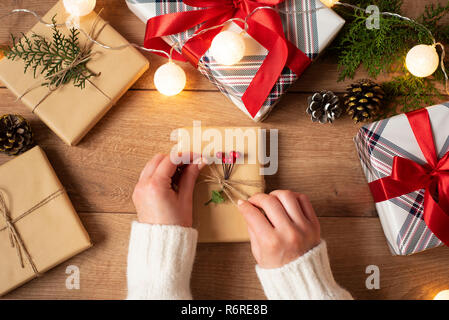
[(383, 50), (55, 60)]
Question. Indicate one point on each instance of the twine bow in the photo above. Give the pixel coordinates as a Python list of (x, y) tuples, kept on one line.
[(408, 176), (230, 187), (264, 25), (14, 237)]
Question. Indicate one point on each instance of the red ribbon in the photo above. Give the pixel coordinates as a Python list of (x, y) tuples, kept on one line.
[(265, 26), (408, 176)]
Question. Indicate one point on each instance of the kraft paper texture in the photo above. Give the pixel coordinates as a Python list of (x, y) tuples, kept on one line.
[(222, 222)]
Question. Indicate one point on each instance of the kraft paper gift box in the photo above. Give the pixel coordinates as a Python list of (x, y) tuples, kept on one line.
[(311, 33), (71, 112), (42, 215), (223, 222), (377, 145)]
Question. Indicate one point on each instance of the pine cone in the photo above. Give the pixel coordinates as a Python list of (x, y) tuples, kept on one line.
[(16, 136), (363, 100), (324, 107)]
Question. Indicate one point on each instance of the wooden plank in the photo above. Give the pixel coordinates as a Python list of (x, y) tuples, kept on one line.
[(101, 172), (321, 75), (226, 271)]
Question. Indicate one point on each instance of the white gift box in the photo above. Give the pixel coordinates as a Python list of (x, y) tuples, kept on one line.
[(377, 144), (311, 33)]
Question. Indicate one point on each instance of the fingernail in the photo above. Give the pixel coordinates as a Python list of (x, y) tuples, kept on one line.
[(201, 164), (240, 202)]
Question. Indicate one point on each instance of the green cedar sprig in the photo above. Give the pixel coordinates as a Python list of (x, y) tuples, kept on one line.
[(383, 50), (50, 57), (217, 197)]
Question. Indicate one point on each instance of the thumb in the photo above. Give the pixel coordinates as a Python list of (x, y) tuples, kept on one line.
[(188, 179)]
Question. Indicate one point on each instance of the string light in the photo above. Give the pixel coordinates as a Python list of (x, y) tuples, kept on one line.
[(79, 8), (228, 48), (169, 79), (443, 295), (422, 60)]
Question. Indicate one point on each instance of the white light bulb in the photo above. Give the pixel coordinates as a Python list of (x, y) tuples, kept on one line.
[(422, 60), (329, 3), (443, 295), (79, 8), (169, 79), (228, 48)]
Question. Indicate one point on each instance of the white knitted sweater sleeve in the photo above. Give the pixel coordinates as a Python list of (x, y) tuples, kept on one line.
[(160, 260), (307, 278)]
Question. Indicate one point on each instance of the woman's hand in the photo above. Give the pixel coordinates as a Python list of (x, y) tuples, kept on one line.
[(155, 199), (288, 229)]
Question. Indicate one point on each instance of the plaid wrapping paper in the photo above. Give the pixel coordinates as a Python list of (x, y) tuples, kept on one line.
[(310, 32), (377, 144)]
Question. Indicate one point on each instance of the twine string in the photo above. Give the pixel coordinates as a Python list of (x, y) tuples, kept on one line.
[(92, 40), (14, 237)]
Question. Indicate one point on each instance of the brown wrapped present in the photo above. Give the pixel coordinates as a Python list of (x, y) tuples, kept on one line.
[(222, 222), (69, 111), (39, 227)]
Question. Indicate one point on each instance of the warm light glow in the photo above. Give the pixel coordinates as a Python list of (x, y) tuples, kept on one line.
[(169, 79), (329, 3), (443, 295), (228, 48), (422, 60), (79, 8)]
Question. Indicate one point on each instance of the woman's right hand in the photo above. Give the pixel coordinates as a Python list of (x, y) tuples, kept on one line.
[(288, 229)]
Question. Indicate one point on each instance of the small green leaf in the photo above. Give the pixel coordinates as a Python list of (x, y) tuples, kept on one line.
[(217, 197)]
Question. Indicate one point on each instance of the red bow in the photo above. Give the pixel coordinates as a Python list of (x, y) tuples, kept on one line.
[(408, 176), (265, 26)]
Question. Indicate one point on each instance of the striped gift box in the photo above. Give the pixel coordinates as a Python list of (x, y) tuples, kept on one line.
[(377, 144), (311, 33)]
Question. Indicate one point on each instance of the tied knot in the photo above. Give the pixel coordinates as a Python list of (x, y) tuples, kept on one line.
[(248, 6), (232, 188), (9, 224), (236, 3), (244, 5), (57, 79)]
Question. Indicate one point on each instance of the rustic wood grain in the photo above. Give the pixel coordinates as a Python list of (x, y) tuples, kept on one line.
[(226, 271), (101, 172)]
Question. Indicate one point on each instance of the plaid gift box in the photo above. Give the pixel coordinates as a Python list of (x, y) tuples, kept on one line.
[(310, 32), (402, 217)]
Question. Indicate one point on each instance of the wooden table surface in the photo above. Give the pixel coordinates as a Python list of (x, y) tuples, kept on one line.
[(319, 160)]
